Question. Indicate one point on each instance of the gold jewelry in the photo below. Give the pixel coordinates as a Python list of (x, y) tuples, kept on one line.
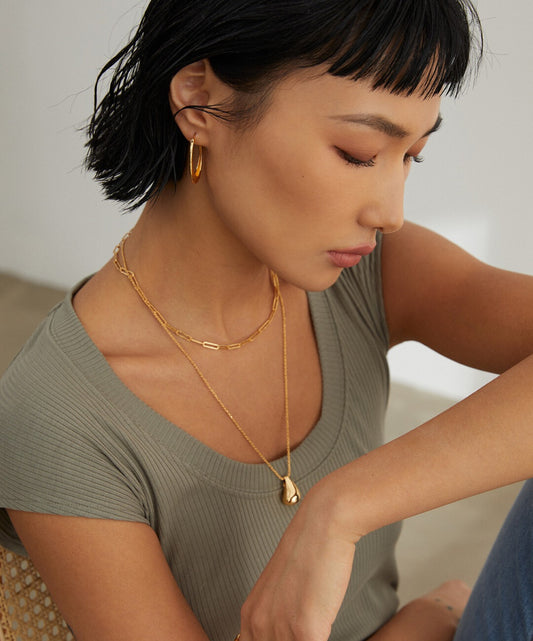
[(290, 492), (195, 173), (118, 256), (238, 637)]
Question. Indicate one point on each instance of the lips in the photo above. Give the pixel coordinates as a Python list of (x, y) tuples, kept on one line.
[(351, 256)]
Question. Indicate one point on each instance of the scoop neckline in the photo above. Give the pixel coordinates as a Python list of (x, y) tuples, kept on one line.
[(199, 458)]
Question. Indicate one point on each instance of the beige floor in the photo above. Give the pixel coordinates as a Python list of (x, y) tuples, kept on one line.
[(451, 542)]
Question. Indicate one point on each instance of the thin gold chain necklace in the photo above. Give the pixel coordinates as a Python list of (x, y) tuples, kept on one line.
[(290, 492), (118, 258)]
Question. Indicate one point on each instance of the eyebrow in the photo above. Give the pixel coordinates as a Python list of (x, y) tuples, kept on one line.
[(385, 125)]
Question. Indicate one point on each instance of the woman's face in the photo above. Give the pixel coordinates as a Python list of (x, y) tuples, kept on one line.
[(306, 189)]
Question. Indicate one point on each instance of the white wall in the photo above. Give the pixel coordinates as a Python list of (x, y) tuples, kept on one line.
[(55, 226), (475, 186)]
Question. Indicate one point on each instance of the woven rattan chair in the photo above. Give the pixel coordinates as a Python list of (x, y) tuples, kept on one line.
[(27, 613)]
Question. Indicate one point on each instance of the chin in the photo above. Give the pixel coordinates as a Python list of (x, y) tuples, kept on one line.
[(317, 282)]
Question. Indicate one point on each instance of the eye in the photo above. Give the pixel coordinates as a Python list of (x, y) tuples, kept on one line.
[(408, 159), (350, 160)]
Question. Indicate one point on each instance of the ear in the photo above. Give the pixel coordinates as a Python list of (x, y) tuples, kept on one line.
[(195, 84)]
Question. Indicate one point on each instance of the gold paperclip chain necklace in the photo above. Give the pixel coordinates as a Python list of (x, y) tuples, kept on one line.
[(119, 255), (290, 492)]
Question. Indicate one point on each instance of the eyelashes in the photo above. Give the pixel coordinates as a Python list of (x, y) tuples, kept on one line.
[(350, 160)]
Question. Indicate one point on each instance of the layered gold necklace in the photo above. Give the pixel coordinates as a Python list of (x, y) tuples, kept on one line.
[(290, 493)]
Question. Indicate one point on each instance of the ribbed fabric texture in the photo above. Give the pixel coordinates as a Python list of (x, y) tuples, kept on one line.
[(75, 441)]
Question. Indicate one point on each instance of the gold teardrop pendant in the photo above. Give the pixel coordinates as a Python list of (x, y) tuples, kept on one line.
[(291, 493)]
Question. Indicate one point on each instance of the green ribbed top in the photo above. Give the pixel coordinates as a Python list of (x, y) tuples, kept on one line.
[(74, 440)]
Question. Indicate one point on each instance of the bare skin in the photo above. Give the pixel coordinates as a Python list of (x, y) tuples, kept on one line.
[(281, 197), (433, 616)]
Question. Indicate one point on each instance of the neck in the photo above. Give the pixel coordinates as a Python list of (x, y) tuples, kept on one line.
[(195, 271)]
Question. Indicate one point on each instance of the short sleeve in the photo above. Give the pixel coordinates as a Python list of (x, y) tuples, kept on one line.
[(62, 450)]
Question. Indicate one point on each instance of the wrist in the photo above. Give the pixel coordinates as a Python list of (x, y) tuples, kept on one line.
[(337, 508)]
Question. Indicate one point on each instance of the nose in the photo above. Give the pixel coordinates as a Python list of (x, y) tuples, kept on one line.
[(384, 210)]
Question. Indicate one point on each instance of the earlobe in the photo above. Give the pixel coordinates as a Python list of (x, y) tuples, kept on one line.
[(188, 88)]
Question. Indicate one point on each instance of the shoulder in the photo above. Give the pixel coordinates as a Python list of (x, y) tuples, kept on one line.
[(438, 294), (45, 377), (35, 366), (424, 277), (63, 446)]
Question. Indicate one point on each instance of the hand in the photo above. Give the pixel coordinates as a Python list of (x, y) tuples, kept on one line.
[(299, 593)]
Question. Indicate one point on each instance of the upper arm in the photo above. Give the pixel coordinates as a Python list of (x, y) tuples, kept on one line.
[(440, 295), (109, 578)]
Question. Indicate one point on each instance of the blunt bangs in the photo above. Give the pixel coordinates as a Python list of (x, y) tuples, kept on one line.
[(410, 46), (404, 46)]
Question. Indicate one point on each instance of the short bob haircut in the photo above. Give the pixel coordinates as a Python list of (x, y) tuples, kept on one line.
[(134, 145)]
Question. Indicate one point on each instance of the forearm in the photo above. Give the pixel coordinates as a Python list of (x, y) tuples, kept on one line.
[(483, 442)]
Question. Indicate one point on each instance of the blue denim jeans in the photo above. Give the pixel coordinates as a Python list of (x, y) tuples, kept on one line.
[(501, 605)]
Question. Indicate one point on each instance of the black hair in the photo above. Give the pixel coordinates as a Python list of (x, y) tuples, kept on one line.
[(134, 145)]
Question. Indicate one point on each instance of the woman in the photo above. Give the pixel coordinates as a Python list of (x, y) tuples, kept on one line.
[(197, 428)]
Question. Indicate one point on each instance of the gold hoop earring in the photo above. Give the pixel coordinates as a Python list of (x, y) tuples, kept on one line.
[(195, 173)]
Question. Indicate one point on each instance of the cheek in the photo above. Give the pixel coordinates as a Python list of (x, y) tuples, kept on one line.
[(295, 172), (275, 185), (263, 173)]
